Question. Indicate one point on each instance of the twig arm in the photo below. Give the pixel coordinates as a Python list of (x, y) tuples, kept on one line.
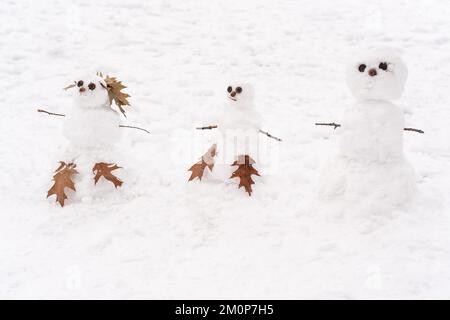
[(207, 128), (133, 127), (336, 125), (269, 135), (51, 113), (414, 130), (332, 124)]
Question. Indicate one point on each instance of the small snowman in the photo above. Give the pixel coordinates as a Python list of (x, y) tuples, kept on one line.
[(92, 128), (239, 125), (370, 168)]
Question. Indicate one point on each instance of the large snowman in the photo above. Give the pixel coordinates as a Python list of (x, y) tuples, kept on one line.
[(370, 170)]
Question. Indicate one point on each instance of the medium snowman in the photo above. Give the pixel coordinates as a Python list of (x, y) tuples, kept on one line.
[(239, 125), (370, 169)]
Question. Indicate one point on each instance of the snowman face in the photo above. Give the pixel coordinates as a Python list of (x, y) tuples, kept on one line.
[(91, 92), (240, 94), (379, 75)]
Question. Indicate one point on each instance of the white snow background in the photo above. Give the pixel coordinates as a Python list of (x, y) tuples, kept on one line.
[(161, 237)]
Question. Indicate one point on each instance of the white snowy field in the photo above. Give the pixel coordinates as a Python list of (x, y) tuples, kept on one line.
[(161, 237)]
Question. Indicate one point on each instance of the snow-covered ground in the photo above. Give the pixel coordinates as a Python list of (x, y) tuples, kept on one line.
[(161, 237)]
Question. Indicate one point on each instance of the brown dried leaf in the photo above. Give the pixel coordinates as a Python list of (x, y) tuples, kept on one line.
[(62, 179), (104, 170), (207, 160), (115, 93), (244, 172)]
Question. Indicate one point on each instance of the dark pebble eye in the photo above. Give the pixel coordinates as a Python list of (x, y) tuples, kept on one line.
[(362, 67), (80, 83), (229, 89), (383, 66), (238, 89), (91, 86)]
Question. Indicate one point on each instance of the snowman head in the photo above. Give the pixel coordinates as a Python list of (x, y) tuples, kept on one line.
[(240, 95), (377, 75), (91, 92)]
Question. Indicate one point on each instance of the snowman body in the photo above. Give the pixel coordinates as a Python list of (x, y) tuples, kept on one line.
[(92, 128), (370, 168), (91, 125), (238, 127), (372, 131)]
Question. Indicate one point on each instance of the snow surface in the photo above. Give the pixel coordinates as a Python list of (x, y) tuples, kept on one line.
[(161, 237)]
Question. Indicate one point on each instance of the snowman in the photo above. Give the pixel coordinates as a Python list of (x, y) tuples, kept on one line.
[(92, 128), (370, 169), (239, 125)]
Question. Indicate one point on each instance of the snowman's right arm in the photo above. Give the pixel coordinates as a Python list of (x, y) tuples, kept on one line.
[(51, 113), (332, 124)]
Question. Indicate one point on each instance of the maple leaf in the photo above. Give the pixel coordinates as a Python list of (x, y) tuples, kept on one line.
[(62, 179), (102, 169), (244, 172), (207, 160)]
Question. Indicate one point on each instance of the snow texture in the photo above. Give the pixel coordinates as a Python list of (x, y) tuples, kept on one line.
[(158, 236)]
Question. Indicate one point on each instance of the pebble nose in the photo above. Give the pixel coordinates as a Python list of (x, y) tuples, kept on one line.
[(372, 72), (82, 89), (233, 94)]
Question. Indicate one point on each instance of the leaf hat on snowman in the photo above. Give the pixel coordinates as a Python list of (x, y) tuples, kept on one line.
[(115, 93)]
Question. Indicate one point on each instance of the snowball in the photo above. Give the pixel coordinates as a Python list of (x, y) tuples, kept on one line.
[(372, 131), (92, 128), (239, 111), (86, 97), (367, 187), (367, 80)]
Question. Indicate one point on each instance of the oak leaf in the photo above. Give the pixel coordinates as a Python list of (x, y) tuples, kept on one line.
[(62, 179), (102, 169), (115, 93), (207, 160), (244, 172)]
